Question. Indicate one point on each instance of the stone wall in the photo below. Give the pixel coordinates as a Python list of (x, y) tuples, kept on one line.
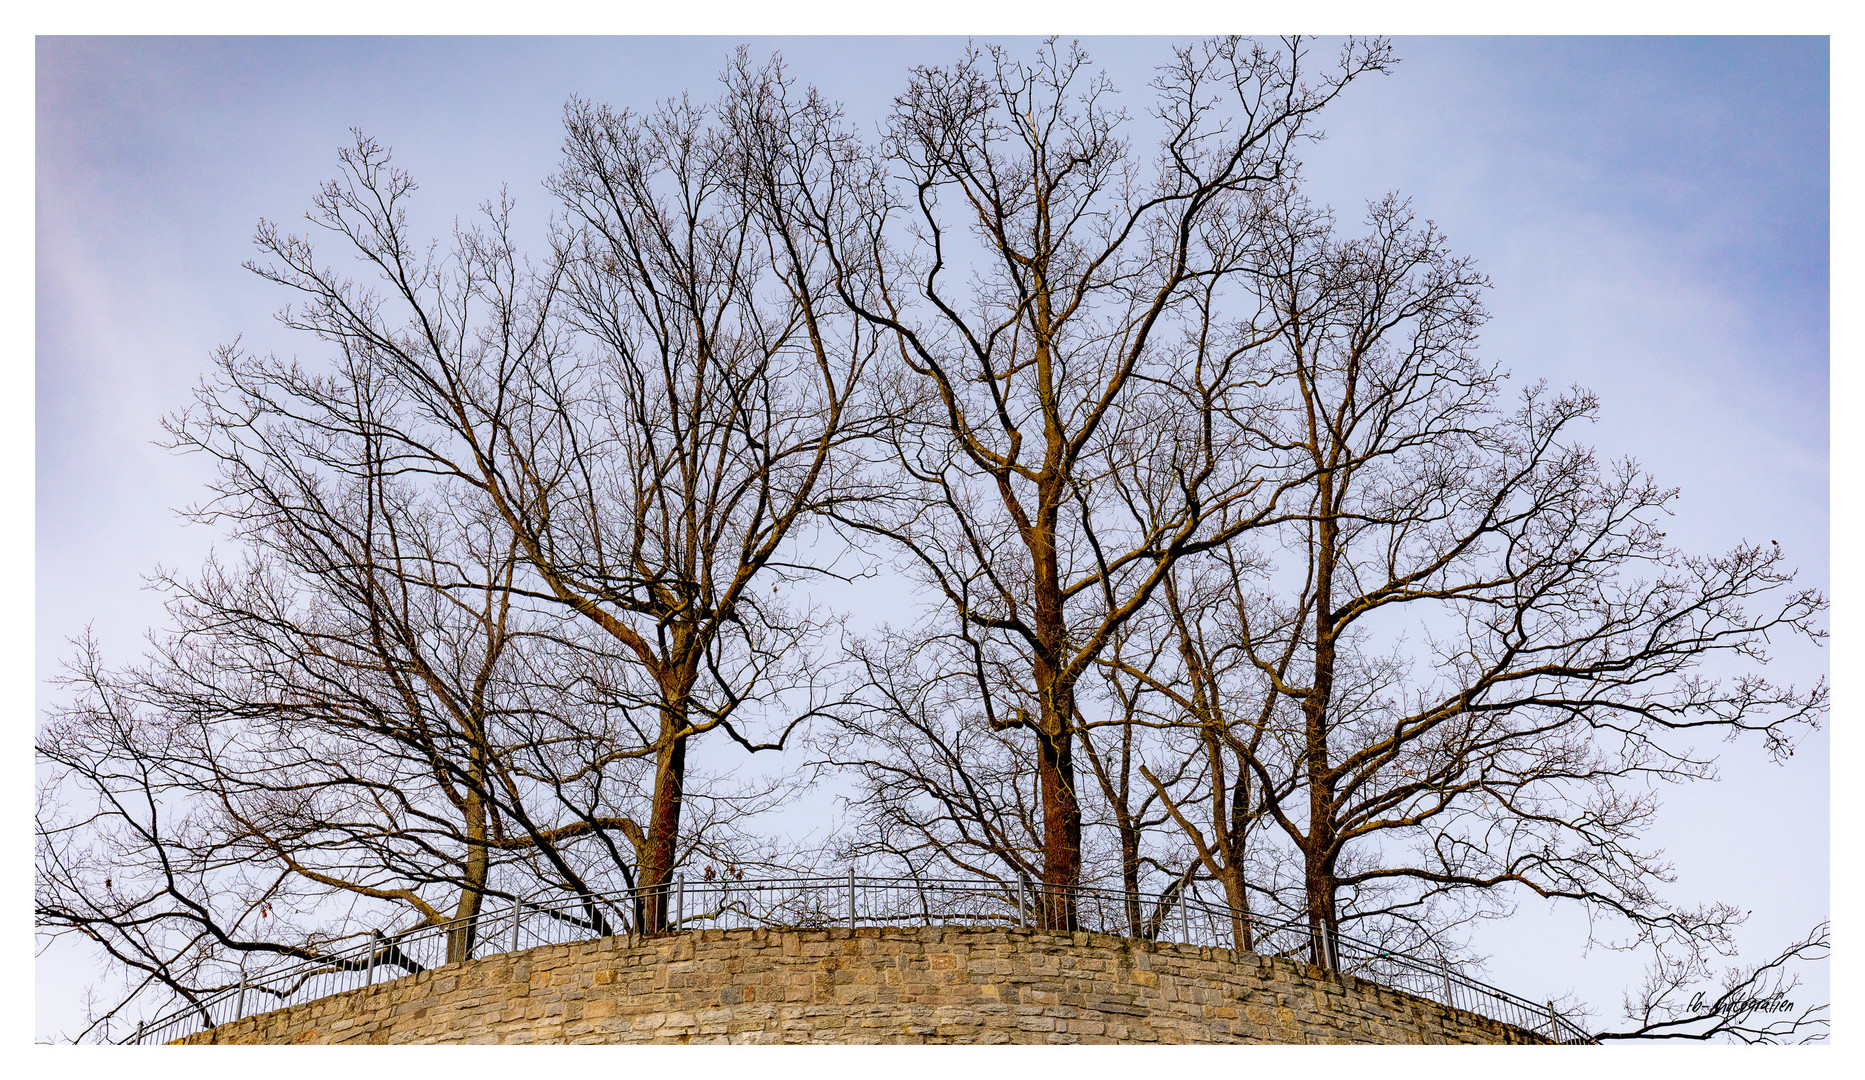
[(871, 985)]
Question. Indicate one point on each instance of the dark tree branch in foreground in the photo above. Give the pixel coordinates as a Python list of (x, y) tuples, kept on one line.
[(1749, 1004)]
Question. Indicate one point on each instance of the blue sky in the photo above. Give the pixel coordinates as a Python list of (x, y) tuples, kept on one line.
[(1653, 214)]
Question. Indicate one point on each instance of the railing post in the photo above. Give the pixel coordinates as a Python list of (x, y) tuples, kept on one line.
[(1021, 881), (1185, 925), (139, 1031), (851, 897), (239, 1009), (1444, 967), (679, 910), (373, 948), (518, 909), (1554, 1024)]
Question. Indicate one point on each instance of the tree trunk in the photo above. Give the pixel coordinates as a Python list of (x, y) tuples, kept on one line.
[(1232, 840), (1318, 853), (1055, 768), (1055, 757), (465, 933), (660, 847), (1130, 876)]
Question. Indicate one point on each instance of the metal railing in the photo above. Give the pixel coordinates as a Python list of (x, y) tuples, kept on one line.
[(851, 901)]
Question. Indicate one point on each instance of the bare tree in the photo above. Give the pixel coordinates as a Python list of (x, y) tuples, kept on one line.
[(345, 725), (724, 390), (1115, 749), (1179, 671), (649, 417), (508, 556), (1049, 295), (940, 788), (1472, 644)]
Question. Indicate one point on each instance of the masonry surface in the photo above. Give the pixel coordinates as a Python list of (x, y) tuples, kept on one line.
[(871, 985)]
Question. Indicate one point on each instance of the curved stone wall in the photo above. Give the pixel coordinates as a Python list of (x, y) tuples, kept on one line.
[(871, 985)]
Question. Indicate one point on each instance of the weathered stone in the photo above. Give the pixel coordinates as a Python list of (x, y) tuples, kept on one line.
[(871, 985)]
